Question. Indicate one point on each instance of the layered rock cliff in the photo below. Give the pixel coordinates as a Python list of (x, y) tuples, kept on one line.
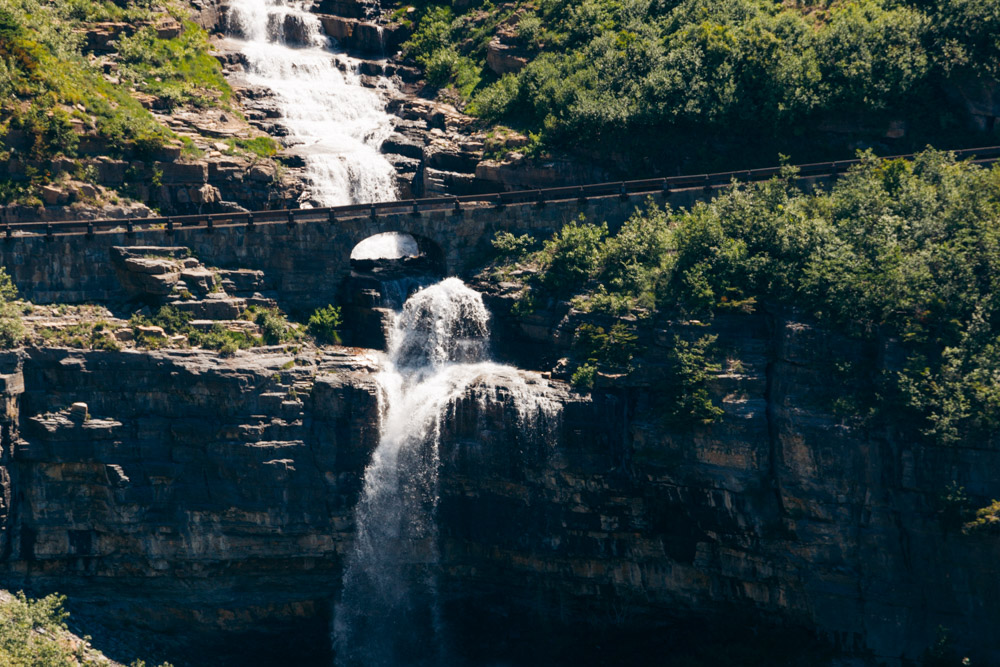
[(204, 498)]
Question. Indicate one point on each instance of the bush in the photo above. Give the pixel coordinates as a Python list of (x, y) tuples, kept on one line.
[(512, 247), (324, 325), (572, 256), (584, 376), (987, 520), (609, 350), (657, 80), (30, 633), (684, 391), (172, 320), (273, 324), (219, 338), (12, 331), (33, 633)]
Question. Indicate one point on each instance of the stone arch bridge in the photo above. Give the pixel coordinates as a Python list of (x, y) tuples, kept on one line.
[(305, 253)]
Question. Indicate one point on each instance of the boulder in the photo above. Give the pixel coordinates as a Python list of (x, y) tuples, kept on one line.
[(79, 412), (198, 279), (206, 194), (151, 331), (503, 58), (52, 196), (151, 265), (406, 145)]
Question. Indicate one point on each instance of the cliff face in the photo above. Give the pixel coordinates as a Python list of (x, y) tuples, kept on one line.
[(205, 497), (192, 480)]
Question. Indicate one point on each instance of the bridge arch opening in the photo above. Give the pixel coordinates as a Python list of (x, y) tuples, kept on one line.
[(390, 253), (386, 269)]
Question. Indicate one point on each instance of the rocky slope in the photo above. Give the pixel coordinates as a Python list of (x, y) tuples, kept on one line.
[(203, 156)]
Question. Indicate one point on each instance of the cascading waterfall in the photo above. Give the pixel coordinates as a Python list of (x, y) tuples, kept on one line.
[(336, 124), (438, 346)]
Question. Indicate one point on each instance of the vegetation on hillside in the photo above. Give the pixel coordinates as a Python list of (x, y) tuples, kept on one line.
[(11, 326), (274, 329), (901, 251), (53, 95), (33, 633), (644, 79)]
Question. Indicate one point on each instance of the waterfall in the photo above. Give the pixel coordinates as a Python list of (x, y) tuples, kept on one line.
[(336, 124), (389, 611)]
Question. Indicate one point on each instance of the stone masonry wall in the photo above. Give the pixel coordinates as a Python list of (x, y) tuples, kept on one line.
[(306, 262)]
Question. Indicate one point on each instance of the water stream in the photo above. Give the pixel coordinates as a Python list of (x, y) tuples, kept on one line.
[(389, 613), (335, 123)]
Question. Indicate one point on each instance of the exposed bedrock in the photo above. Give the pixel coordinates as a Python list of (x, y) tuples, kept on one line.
[(203, 497)]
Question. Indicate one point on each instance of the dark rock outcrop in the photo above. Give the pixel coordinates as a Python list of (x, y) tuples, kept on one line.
[(194, 473)]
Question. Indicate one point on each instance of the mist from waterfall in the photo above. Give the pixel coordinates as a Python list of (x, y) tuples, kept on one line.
[(389, 612), (335, 123)]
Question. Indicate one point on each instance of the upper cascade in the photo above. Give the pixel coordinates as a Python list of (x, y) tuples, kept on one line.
[(334, 122)]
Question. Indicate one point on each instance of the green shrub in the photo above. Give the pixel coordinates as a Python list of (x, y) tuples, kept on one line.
[(611, 349), (324, 325), (683, 390), (222, 339), (229, 348), (33, 633), (604, 302), (274, 326), (172, 320), (987, 520), (657, 81), (572, 256), (509, 246), (584, 376), (12, 330)]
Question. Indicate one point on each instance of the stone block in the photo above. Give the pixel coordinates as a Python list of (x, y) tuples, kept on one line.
[(52, 196), (198, 279), (150, 265), (151, 331), (213, 309), (111, 172), (158, 285), (79, 412), (179, 173)]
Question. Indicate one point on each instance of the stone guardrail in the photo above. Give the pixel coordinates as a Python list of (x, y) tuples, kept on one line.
[(539, 197)]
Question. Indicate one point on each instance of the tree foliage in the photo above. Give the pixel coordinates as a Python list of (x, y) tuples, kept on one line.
[(657, 75), (907, 252)]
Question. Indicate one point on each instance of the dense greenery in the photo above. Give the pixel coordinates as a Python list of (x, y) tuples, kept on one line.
[(11, 326), (177, 71), (643, 76), (900, 251), (47, 85), (324, 325), (274, 330), (57, 100), (30, 634), (33, 633)]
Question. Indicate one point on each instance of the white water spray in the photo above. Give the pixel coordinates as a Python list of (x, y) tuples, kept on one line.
[(337, 124), (389, 612)]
